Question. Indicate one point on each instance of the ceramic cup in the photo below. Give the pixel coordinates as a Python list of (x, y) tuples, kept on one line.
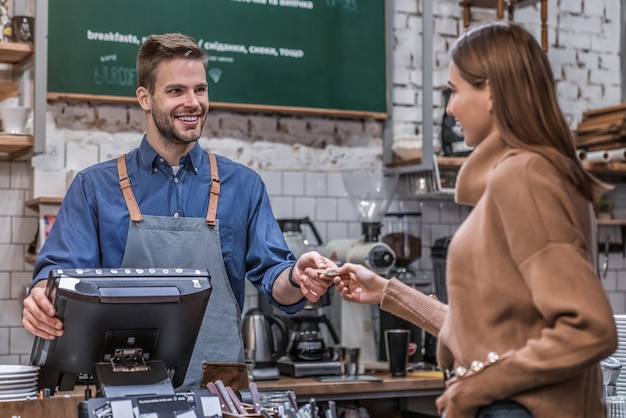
[(14, 119)]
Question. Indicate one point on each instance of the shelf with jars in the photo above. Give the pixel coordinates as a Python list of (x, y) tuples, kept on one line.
[(14, 146)]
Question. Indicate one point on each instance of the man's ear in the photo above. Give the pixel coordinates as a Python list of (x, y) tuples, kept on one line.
[(143, 97)]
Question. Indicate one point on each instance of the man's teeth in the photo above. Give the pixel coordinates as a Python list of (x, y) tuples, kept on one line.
[(188, 118)]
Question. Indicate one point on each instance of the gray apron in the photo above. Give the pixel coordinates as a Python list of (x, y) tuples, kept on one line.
[(160, 241)]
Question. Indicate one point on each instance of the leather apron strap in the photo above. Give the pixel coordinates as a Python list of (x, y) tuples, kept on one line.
[(129, 196), (214, 193), (131, 202)]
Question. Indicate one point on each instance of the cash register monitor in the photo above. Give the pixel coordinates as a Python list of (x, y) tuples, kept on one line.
[(124, 327)]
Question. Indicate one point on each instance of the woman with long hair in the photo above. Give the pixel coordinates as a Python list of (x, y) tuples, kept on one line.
[(528, 320)]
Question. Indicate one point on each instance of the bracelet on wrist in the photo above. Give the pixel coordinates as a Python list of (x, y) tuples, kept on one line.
[(291, 281)]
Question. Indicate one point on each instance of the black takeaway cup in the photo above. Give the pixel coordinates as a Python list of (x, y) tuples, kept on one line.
[(397, 344)]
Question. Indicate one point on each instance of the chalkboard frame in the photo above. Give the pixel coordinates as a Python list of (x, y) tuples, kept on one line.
[(252, 107)]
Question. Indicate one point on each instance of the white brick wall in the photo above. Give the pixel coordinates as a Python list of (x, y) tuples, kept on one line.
[(300, 171)]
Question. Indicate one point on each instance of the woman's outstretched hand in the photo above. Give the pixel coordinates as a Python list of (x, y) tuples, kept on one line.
[(357, 283)]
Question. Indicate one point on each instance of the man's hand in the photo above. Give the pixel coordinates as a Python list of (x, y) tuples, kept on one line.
[(38, 316), (309, 274), (314, 273)]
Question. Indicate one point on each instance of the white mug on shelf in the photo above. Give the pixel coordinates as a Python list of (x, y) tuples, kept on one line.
[(14, 119)]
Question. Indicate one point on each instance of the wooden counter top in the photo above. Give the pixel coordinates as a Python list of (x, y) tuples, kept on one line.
[(415, 384), (54, 407)]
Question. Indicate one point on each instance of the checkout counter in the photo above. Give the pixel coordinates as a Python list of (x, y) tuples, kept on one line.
[(415, 393)]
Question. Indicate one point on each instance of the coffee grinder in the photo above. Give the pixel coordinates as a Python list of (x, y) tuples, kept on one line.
[(370, 192), (403, 235)]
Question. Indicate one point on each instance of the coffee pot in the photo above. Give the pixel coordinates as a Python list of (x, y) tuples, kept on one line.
[(307, 341), (295, 237), (264, 338)]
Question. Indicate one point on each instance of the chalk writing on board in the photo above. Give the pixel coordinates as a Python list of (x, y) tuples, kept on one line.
[(112, 37), (111, 75), (293, 55), (215, 74), (344, 4), (108, 58), (300, 4)]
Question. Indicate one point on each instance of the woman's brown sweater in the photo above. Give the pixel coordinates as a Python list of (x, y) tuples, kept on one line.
[(522, 283)]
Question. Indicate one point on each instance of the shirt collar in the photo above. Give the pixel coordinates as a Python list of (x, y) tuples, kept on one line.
[(148, 155)]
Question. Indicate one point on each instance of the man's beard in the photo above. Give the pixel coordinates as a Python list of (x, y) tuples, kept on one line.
[(167, 130)]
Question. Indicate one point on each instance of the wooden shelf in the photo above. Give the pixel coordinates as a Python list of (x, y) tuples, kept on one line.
[(14, 52), (12, 146), (403, 163), (612, 168), (612, 222), (615, 168), (450, 162), (34, 203)]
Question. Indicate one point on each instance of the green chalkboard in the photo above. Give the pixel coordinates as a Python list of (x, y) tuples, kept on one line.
[(322, 56)]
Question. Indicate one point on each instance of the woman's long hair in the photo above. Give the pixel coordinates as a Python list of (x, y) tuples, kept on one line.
[(525, 104)]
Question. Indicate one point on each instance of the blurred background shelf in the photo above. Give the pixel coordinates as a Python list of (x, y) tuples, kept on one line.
[(611, 168), (15, 52), (612, 222), (34, 203), (450, 162), (13, 146)]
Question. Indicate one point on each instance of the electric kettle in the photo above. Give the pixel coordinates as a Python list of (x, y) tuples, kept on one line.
[(264, 337), (295, 237)]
